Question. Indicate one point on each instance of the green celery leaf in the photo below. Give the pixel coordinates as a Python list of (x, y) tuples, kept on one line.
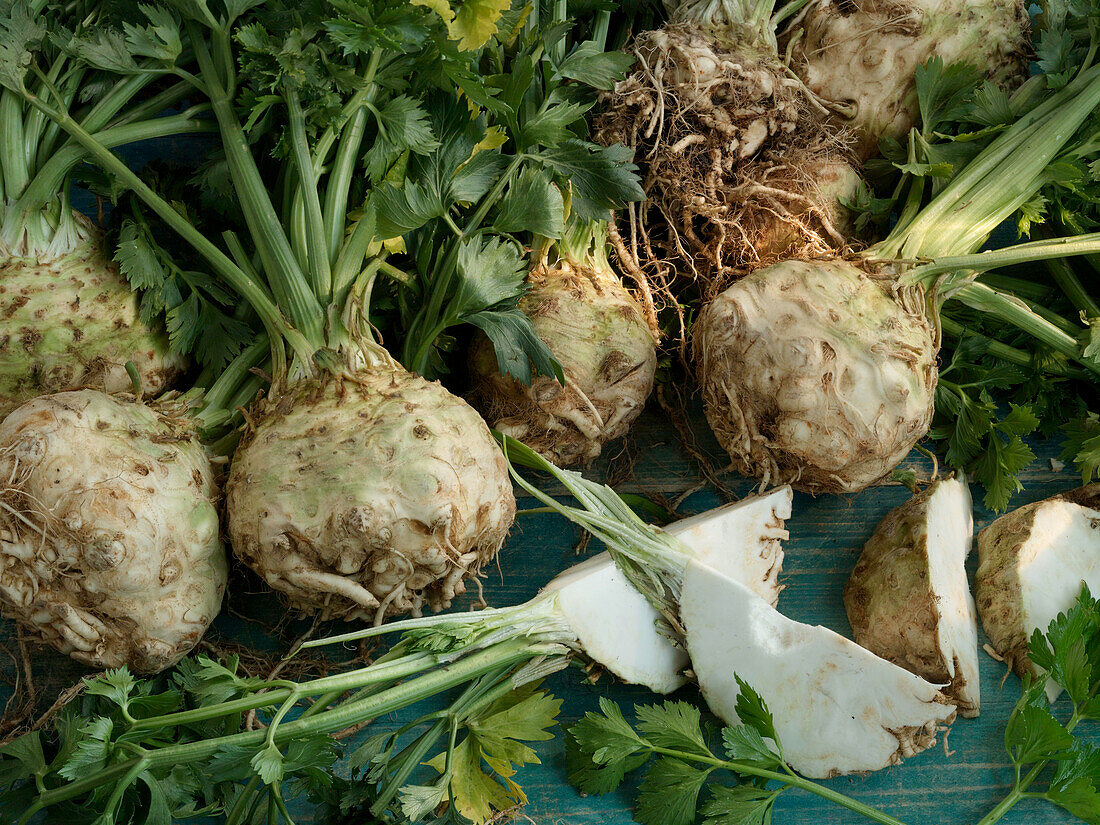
[(944, 92), (1019, 421), (1090, 346), (268, 764), (477, 796), (551, 126), (922, 170), (223, 337), (602, 178), (1079, 797), (1075, 782), (20, 32), (157, 811), (477, 176), (417, 801), (606, 736), (1073, 671), (1054, 54), (744, 744), (675, 725), (376, 749), (669, 792), (155, 704), (524, 714), (93, 749), (1031, 212), (231, 763), (991, 106), (403, 125), (491, 271), (518, 81), (211, 682), (740, 805), (997, 469), (406, 123), (159, 40), (590, 64), (516, 344), (21, 758), (236, 8), (532, 204), (106, 49), (115, 685), (136, 258), (753, 711), (402, 209), (589, 777), (1082, 445), (1033, 735), (184, 323)]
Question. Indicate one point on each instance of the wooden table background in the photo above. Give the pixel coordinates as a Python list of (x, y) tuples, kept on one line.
[(956, 783)]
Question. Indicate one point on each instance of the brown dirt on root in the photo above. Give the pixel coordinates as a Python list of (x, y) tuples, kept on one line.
[(732, 151)]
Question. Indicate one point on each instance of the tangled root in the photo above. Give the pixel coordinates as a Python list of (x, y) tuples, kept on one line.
[(740, 166), (598, 334)]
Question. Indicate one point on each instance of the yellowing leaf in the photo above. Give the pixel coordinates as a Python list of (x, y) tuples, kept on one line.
[(440, 7), (477, 796), (492, 739), (509, 38), (395, 246), (476, 22), (494, 139)]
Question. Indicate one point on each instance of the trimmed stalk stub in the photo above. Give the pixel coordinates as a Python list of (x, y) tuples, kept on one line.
[(741, 166), (815, 376), (1031, 564), (110, 545), (864, 54), (618, 627), (908, 599), (597, 332), (73, 321), (368, 496), (837, 707)]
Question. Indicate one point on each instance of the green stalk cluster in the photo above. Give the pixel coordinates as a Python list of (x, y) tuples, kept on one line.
[(37, 157)]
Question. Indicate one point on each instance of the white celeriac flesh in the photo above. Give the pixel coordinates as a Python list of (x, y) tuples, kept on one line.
[(742, 539), (1033, 563), (837, 707), (950, 536), (618, 627)]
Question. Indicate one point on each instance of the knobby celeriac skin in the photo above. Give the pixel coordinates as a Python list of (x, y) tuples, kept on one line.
[(814, 375), (597, 332), (1031, 563), (908, 599), (368, 496), (72, 320), (739, 160), (865, 53), (110, 545)]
